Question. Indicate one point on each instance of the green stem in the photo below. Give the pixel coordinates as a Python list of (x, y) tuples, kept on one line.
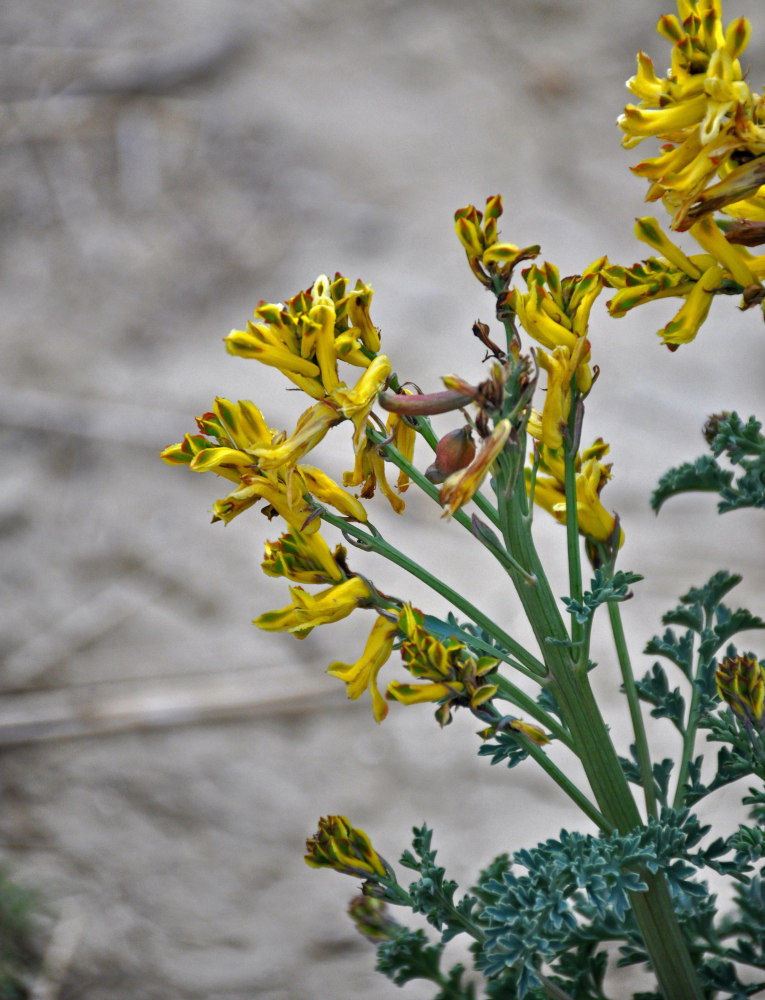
[(638, 726), (572, 530), (507, 691), (528, 664), (689, 742), (552, 989), (566, 785), (662, 934)]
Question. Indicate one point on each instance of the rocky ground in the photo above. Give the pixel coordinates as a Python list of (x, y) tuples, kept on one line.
[(166, 165)]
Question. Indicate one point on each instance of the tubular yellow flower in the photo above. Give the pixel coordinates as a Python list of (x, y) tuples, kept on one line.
[(735, 259), (648, 231), (451, 675), (346, 849), (309, 610), (320, 332), (326, 491), (685, 325), (303, 559), (359, 301), (532, 732), (537, 322), (369, 472), (356, 403), (594, 520), (311, 427), (416, 694), (362, 675), (461, 486), (560, 366), (403, 437)]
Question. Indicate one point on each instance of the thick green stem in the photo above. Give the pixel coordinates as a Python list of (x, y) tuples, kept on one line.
[(662, 935), (638, 726), (572, 532)]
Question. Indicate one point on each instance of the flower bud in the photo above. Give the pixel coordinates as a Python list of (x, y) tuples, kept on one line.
[(741, 683), (454, 451)]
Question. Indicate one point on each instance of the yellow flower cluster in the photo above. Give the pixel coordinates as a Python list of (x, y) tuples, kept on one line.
[(346, 849), (306, 339), (554, 312), (593, 519), (712, 130), (450, 675), (703, 112), (488, 258)]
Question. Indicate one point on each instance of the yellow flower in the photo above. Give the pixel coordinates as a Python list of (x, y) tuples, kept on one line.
[(306, 337), (452, 676), (477, 232), (311, 428), (462, 485), (703, 111), (529, 730), (303, 559), (326, 491), (560, 366), (735, 259), (369, 472), (694, 311), (346, 849), (358, 303), (403, 437), (241, 448), (362, 675), (556, 312), (593, 519), (356, 403), (309, 610)]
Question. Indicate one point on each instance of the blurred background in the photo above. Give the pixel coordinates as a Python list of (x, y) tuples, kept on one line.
[(165, 165)]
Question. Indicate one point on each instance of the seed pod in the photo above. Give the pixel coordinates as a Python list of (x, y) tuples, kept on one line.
[(454, 451)]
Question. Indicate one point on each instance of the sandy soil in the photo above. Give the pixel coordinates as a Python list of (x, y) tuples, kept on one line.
[(165, 165)]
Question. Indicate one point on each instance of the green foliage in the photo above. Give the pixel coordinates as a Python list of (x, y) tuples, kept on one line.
[(743, 445), (604, 589), (708, 625), (19, 954), (505, 746), (432, 894), (574, 893), (408, 955)]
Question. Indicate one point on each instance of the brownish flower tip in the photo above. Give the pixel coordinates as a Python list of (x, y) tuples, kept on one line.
[(481, 330), (421, 405), (744, 232)]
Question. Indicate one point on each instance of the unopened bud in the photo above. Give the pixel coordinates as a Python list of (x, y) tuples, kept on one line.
[(454, 451)]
